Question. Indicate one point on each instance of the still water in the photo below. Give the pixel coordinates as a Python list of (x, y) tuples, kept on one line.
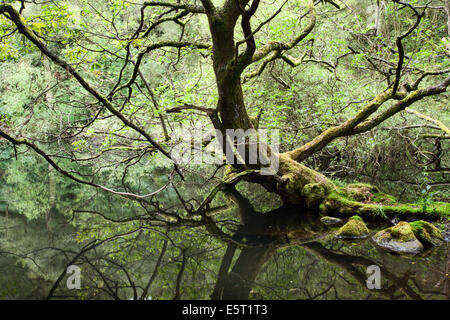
[(295, 257)]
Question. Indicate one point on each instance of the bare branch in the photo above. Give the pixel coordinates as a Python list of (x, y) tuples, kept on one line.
[(188, 7), (401, 52), (415, 85), (246, 58), (17, 142), (208, 111), (159, 45), (13, 15), (279, 46)]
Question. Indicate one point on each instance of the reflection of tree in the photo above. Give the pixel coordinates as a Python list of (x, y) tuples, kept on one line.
[(113, 271), (169, 268), (264, 234), (236, 281), (349, 263)]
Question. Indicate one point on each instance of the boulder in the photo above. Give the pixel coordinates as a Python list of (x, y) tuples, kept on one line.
[(399, 238), (427, 233), (355, 228)]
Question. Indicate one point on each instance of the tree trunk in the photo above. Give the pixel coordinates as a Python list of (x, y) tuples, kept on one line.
[(294, 182), (241, 279)]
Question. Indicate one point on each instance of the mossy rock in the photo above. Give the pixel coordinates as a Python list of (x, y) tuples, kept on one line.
[(355, 228), (399, 238), (427, 233), (330, 220)]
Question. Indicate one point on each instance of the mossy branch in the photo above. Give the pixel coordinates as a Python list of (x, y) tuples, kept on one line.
[(361, 122), (370, 203), (274, 49), (442, 126)]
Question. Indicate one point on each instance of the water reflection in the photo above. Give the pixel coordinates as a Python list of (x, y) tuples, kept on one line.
[(286, 253), (316, 264)]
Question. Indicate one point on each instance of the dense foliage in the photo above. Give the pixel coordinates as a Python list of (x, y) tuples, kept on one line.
[(94, 95)]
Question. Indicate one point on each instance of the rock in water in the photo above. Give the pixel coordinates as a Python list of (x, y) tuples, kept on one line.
[(399, 238), (427, 233), (355, 228), (330, 220)]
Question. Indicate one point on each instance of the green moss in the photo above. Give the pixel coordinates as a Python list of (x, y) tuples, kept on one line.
[(383, 198), (399, 238), (356, 218), (228, 172), (366, 193), (402, 232), (297, 176), (426, 232), (339, 202), (354, 228), (314, 193), (359, 191), (363, 186)]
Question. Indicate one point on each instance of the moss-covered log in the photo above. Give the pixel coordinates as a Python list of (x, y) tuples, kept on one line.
[(301, 185), (369, 202)]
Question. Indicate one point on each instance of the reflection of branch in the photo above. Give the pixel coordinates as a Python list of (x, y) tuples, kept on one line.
[(90, 246), (246, 210), (155, 270), (223, 271), (240, 279), (180, 275), (347, 262), (332, 285), (17, 142)]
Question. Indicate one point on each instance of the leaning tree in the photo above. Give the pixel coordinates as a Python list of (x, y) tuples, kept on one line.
[(239, 52)]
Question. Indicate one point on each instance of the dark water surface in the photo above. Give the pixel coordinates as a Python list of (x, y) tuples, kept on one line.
[(298, 258)]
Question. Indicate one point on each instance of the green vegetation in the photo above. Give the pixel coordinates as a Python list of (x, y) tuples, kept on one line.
[(354, 228), (347, 201), (99, 100), (399, 238), (426, 232)]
